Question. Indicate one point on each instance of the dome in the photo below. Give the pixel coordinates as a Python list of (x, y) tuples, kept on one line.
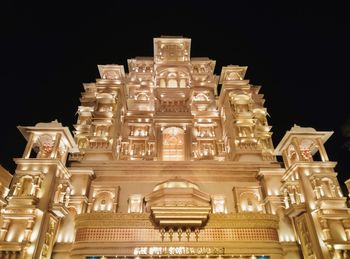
[(175, 183)]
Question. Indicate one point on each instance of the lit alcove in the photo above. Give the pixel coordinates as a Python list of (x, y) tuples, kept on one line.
[(135, 203), (173, 144), (218, 204), (172, 83)]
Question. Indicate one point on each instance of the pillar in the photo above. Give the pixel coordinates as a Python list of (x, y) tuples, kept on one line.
[(56, 146), (4, 228), (296, 144), (159, 141), (322, 150), (285, 158), (188, 143), (29, 146)]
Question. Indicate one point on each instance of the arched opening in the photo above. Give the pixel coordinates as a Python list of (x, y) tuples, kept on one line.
[(103, 201), (201, 97), (172, 83), (162, 83), (250, 202), (173, 144), (83, 142), (327, 188), (183, 83), (27, 186), (142, 97)]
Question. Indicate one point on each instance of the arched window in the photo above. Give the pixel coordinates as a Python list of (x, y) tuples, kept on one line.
[(173, 144), (142, 97), (182, 83), (162, 83), (250, 202), (103, 202), (172, 83)]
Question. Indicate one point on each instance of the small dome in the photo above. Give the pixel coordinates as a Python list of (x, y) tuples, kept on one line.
[(175, 183)]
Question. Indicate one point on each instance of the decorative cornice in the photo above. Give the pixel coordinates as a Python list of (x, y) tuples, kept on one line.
[(310, 165), (40, 162)]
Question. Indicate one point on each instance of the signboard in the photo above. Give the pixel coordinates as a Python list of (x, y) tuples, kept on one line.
[(179, 250)]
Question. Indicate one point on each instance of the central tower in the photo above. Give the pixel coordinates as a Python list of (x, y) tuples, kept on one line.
[(167, 109)]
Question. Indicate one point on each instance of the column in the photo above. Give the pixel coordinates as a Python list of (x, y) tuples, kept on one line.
[(29, 146), (159, 141), (4, 228), (322, 150), (56, 146), (285, 158), (29, 229), (13, 255), (188, 142), (296, 144)]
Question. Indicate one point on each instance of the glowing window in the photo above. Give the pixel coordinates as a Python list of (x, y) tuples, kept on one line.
[(172, 83), (173, 144), (183, 83), (162, 83)]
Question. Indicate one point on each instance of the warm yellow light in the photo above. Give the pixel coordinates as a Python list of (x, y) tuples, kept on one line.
[(21, 237), (312, 205), (10, 235), (59, 238), (30, 249)]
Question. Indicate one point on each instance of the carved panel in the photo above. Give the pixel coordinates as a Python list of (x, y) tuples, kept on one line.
[(152, 235)]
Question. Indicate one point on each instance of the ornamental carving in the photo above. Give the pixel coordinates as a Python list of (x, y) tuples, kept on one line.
[(109, 219), (243, 220)]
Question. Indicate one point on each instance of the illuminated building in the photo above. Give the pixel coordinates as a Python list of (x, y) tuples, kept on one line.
[(161, 165)]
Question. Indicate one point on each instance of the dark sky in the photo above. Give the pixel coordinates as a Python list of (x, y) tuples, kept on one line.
[(299, 54)]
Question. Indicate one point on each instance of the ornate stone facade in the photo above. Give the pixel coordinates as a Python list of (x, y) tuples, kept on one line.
[(163, 165)]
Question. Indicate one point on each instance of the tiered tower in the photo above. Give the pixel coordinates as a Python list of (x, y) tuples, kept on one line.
[(312, 195), (167, 109), (163, 165), (39, 193)]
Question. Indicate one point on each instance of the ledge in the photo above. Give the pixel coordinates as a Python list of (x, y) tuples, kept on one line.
[(143, 220)]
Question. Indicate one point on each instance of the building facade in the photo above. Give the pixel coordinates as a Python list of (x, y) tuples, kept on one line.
[(163, 165)]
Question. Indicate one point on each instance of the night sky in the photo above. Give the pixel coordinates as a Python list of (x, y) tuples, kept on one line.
[(299, 54)]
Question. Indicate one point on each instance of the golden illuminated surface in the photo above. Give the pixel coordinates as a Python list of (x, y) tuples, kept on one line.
[(161, 164)]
